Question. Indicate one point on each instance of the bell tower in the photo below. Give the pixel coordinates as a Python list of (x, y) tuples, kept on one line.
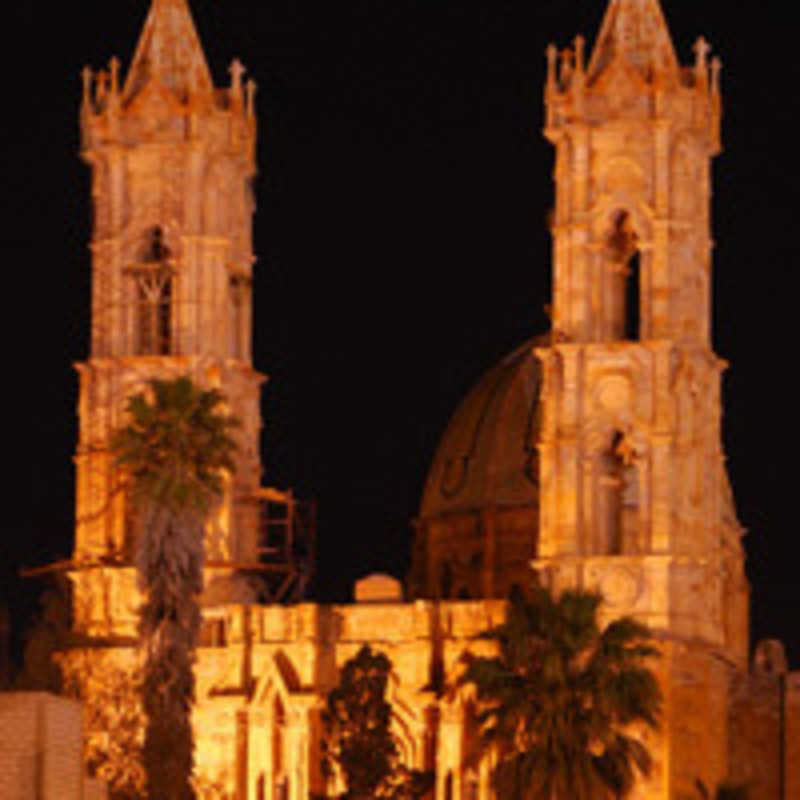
[(634, 495), (172, 160)]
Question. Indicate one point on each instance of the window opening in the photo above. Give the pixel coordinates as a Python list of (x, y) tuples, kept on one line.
[(623, 252), (632, 298), (154, 290), (448, 786)]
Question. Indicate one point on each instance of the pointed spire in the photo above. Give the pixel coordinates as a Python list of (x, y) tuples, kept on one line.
[(169, 50), (636, 31)]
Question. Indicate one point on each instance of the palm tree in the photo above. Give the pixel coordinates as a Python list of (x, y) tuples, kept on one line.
[(173, 451), (558, 699), (358, 737)]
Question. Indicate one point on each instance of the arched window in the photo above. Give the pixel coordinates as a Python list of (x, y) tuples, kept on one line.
[(624, 296), (153, 297), (633, 299)]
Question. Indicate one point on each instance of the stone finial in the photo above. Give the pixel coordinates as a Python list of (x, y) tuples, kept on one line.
[(716, 67), (580, 44), (566, 66), (113, 66), (701, 50), (236, 70), (250, 89), (101, 87), (552, 58), (86, 77)]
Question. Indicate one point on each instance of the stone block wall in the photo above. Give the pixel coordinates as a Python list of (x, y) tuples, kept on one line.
[(41, 746), (765, 734)]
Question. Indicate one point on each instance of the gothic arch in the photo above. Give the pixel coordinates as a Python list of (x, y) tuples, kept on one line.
[(464, 769), (271, 743), (277, 679), (408, 723)]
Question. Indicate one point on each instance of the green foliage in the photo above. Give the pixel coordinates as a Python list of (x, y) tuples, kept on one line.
[(113, 720), (173, 451), (358, 734), (175, 445), (557, 700)]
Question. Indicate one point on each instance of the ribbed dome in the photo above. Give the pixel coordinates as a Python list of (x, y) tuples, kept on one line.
[(487, 455)]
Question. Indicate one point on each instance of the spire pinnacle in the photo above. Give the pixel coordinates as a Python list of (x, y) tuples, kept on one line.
[(636, 31), (169, 51)]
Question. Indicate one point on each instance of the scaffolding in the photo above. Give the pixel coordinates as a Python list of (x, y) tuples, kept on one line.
[(285, 551), (286, 543)]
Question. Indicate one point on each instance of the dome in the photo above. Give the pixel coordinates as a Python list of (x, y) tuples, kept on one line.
[(487, 455), (477, 529)]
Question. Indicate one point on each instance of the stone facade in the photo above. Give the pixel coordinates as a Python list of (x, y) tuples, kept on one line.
[(591, 455), (41, 742)]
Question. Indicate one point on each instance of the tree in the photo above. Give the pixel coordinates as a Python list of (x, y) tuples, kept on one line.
[(113, 719), (173, 452), (557, 701), (358, 734)]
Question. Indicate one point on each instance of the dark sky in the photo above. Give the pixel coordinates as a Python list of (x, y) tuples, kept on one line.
[(402, 197)]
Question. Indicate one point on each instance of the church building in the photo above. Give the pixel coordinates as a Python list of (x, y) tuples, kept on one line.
[(590, 456)]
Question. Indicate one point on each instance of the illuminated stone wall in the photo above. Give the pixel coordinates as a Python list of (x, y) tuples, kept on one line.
[(41, 745), (764, 727)]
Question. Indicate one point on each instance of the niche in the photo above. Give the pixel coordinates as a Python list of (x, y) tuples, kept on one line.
[(152, 277), (617, 498)]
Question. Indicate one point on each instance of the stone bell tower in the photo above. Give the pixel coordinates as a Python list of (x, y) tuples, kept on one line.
[(172, 160), (634, 496)]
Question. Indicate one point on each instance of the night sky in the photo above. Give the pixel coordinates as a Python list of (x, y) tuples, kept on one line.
[(401, 233)]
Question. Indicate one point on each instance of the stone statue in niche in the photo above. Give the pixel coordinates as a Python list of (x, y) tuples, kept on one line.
[(617, 497)]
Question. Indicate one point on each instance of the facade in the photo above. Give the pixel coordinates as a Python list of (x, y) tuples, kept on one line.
[(591, 455)]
